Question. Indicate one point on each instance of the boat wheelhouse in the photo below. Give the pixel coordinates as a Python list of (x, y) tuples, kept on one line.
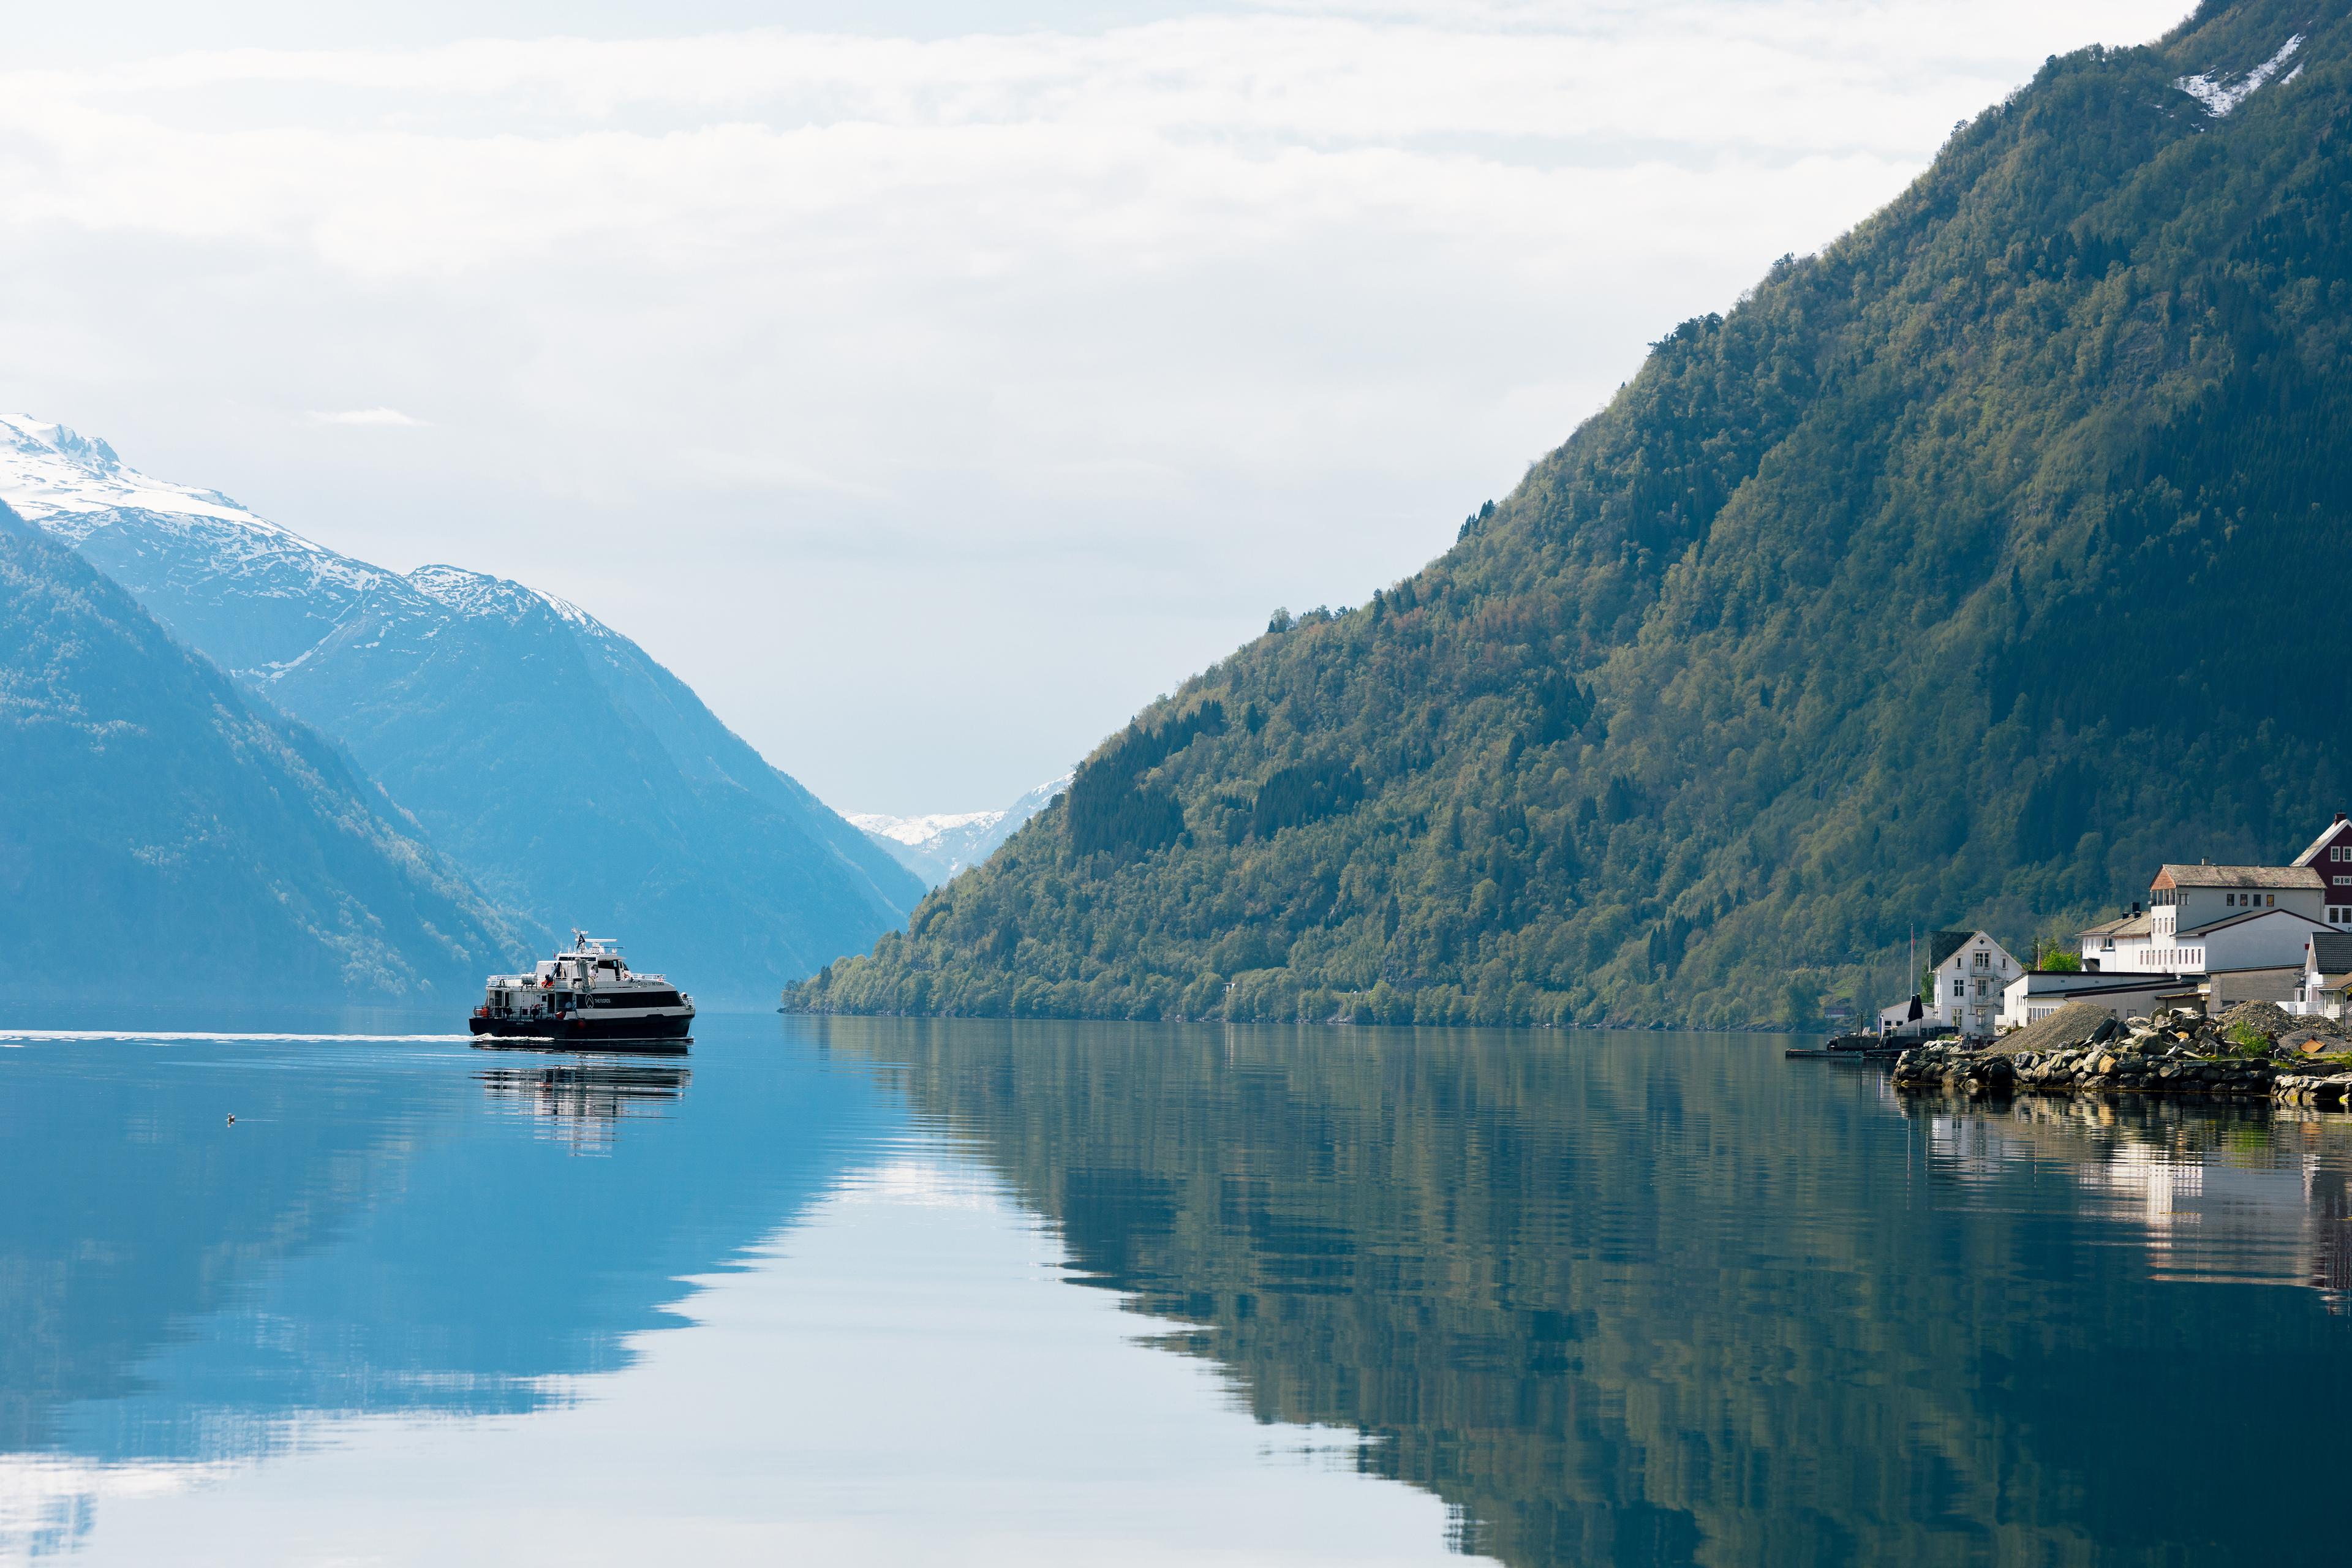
[(587, 996)]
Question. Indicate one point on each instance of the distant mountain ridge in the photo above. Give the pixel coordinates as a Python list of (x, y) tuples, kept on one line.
[(1957, 575), (574, 779), (163, 839), (938, 846)]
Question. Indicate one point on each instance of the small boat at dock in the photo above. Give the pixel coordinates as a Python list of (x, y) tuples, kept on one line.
[(1850, 1048), (586, 998)]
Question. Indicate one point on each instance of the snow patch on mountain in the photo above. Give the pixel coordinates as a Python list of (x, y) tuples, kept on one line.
[(2220, 94), (479, 594)]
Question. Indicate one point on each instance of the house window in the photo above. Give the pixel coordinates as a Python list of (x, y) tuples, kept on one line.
[(2230, 900), (1984, 961)]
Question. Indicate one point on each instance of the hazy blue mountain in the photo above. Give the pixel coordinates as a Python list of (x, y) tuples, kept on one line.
[(1957, 575), (574, 779), (936, 847), (161, 835)]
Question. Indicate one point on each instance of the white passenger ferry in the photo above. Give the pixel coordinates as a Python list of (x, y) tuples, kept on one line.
[(588, 996)]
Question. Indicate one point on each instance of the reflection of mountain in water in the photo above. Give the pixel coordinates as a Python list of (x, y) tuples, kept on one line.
[(1654, 1301), (584, 1101), (374, 1235)]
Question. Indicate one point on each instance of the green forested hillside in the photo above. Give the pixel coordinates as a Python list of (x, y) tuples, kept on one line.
[(1957, 575)]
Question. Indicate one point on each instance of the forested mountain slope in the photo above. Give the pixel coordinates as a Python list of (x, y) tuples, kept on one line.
[(1958, 575), (572, 776), (162, 839)]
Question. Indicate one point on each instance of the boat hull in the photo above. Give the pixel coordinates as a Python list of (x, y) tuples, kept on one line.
[(575, 1030)]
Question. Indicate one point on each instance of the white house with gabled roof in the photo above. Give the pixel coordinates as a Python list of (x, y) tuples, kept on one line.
[(1972, 972), (2204, 918), (2326, 975)]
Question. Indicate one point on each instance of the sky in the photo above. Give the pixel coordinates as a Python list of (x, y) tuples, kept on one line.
[(929, 386)]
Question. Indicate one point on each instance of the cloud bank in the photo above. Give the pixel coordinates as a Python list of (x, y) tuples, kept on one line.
[(929, 402)]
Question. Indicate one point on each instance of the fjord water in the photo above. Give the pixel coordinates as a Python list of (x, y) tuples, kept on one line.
[(888, 1290)]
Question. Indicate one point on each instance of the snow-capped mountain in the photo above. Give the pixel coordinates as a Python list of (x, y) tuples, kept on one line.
[(573, 778), (935, 848)]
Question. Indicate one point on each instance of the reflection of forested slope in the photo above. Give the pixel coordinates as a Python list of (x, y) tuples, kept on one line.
[(382, 1231), (1648, 1302)]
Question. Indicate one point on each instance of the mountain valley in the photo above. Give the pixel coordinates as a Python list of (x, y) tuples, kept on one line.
[(570, 775)]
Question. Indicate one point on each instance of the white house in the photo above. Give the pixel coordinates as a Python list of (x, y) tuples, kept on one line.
[(2326, 975), (2037, 994), (2202, 919), (1972, 972), (1907, 1019), (2107, 946)]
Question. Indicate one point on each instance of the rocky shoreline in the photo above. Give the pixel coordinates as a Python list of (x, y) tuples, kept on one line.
[(2254, 1050)]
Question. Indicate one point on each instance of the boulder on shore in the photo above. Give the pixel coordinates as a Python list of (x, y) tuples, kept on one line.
[(1955, 1067)]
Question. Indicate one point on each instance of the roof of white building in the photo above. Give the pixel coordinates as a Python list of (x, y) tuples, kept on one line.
[(1942, 944), (2040, 982), (2122, 925), (2245, 915), (2238, 877), (2332, 950)]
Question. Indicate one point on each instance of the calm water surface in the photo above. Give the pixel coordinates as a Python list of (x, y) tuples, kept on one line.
[(849, 1291)]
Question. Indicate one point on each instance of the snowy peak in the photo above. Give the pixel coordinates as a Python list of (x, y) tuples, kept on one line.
[(936, 847), (67, 481), (916, 832), (2222, 92), (75, 486)]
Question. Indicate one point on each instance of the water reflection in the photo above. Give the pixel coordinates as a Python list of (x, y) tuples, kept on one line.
[(581, 1103), (1624, 1298), (1640, 1299), (376, 1234), (2212, 1191)]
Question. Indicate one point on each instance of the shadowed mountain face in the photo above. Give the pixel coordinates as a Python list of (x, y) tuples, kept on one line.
[(161, 836), (1957, 575), (574, 779), (1654, 1299)]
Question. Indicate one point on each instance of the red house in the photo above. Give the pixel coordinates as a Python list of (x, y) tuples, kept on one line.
[(2330, 854)]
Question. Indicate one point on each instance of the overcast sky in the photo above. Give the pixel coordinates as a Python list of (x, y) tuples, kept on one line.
[(929, 386)]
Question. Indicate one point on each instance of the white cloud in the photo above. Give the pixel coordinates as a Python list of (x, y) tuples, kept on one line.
[(821, 363), (365, 417)]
